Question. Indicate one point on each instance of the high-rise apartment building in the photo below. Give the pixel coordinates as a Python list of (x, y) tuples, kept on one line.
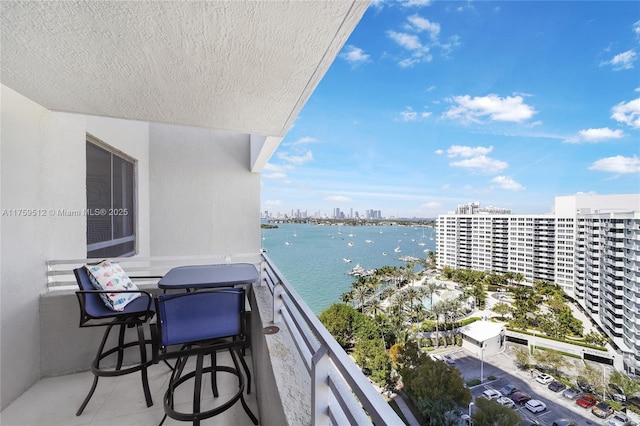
[(590, 246)]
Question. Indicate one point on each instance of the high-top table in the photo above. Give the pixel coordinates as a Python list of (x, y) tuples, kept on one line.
[(209, 276)]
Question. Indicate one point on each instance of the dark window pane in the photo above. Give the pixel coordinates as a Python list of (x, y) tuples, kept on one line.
[(122, 198), (99, 228), (110, 190)]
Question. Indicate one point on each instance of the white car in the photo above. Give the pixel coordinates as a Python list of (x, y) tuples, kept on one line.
[(545, 379), (507, 402), (491, 394), (535, 406)]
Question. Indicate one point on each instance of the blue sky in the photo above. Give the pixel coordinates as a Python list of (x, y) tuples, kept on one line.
[(431, 104)]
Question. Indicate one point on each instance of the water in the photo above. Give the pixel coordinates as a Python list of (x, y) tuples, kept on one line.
[(313, 261)]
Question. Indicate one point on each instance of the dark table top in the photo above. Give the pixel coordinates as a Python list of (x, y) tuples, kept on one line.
[(209, 276)]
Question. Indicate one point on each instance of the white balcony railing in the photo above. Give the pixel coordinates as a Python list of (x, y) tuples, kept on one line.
[(340, 391)]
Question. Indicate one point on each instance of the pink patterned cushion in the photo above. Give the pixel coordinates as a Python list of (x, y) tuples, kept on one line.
[(109, 275)]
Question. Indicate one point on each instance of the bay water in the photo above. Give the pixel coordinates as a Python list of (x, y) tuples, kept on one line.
[(316, 259)]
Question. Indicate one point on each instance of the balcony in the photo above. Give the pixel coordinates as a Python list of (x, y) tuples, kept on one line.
[(300, 374)]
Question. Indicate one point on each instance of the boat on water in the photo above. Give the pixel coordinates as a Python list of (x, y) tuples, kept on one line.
[(421, 242), (359, 271), (287, 243), (384, 253), (368, 241), (346, 260), (397, 250), (350, 243)]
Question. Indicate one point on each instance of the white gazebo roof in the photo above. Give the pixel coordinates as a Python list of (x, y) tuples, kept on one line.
[(482, 331)]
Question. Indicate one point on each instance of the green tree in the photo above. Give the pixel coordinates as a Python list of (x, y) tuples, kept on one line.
[(501, 309), (437, 311), (523, 357), (371, 356), (626, 383), (490, 413), (339, 319), (432, 385), (595, 338)]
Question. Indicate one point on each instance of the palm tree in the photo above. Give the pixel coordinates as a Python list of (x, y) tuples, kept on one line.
[(437, 310), (360, 294), (412, 294)]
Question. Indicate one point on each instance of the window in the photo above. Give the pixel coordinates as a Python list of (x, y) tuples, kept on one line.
[(110, 202)]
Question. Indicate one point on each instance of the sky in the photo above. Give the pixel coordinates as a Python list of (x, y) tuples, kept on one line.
[(431, 104)]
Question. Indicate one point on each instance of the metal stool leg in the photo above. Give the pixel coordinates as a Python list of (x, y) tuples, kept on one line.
[(95, 365)]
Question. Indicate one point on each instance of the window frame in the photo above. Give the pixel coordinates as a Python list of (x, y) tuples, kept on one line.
[(90, 139)]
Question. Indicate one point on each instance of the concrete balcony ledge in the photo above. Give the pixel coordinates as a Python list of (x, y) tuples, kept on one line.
[(284, 385)]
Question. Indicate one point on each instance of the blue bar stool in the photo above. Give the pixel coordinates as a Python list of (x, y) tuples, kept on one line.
[(201, 324), (94, 313)]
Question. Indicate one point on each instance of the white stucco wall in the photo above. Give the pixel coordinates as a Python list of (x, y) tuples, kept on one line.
[(43, 168), (204, 199)]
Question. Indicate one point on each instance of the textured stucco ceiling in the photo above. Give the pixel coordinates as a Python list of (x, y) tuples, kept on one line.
[(233, 65)]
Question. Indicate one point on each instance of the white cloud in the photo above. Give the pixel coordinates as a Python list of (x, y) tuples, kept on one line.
[(507, 183), (419, 24), (467, 151), (297, 160), (272, 203), (408, 41), (274, 175), (302, 141), (410, 115), (622, 61), (636, 28), (511, 108), (481, 164), (439, 151), (617, 164), (337, 199), (627, 113), (413, 3), (431, 88), (354, 55), (595, 135), (431, 205)]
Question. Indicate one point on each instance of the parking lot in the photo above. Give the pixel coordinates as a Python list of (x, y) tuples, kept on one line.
[(503, 368)]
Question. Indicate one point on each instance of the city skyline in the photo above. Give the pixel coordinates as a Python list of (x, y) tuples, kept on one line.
[(434, 104)]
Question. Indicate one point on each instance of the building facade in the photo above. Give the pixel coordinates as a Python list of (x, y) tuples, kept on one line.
[(590, 246)]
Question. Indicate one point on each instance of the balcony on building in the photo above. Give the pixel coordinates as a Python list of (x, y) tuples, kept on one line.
[(196, 96)]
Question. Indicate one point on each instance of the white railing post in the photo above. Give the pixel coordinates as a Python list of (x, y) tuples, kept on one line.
[(320, 364), (278, 302)]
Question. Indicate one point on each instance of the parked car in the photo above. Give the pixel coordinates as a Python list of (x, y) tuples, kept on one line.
[(508, 390), (571, 393), (584, 386), (491, 394), (602, 410), (449, 360), (503, 400), (586, 401), (619, 419), (520, 397), (564, 422), (616, 393), (634, 401), (556, 386), (437, 357), (535, 406), (545, 379)]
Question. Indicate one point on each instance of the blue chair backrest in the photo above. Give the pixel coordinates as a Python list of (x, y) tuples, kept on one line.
[(93, 304), (201, 315)]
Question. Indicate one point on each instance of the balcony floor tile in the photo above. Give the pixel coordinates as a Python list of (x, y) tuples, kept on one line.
[(119, 401)]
